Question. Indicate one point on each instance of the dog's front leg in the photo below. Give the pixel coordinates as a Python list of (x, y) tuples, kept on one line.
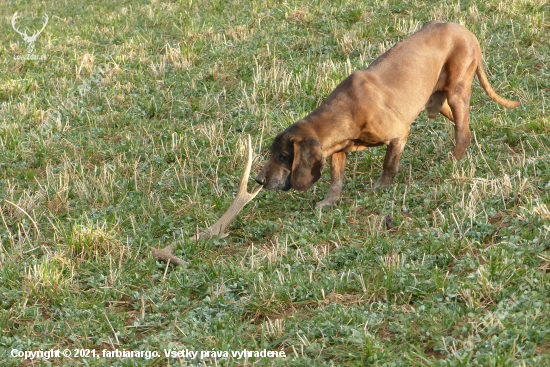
[(337, 168), (391, 161)]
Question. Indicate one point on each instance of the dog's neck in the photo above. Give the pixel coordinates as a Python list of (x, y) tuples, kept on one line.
[(332, 140)]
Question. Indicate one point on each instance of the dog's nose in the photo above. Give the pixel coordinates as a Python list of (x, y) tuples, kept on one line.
[(260, 180)]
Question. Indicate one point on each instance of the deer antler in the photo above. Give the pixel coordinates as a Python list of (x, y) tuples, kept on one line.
[(13, 19), (35, 34), (29, 40), (241, 199)]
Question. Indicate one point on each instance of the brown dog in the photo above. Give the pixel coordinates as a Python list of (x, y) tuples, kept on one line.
[(433, 69)]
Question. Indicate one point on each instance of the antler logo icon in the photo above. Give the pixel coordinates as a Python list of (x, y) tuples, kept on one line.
[(29, 40)]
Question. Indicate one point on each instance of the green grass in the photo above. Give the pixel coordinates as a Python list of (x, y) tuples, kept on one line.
[(150, 106)]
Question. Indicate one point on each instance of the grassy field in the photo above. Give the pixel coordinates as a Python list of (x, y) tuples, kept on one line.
[(130, 134)]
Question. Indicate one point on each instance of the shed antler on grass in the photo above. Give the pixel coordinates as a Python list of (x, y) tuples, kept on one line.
[(241, 199)]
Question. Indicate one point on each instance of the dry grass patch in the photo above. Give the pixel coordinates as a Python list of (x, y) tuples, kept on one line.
[(50, 276), (92, 241)]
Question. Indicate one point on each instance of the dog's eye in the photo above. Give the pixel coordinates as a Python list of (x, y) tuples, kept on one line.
[(282, 159)]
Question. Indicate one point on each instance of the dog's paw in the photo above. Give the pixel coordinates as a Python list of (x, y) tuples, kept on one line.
[(327, 202), (381, 183)]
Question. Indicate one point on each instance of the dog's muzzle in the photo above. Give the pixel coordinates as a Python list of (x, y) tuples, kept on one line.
[(273, 184)]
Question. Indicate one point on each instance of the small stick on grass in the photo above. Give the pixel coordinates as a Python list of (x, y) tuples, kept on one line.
[(217, 229)]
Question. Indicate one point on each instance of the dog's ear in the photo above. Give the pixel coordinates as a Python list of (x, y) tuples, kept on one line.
[(307, 164)]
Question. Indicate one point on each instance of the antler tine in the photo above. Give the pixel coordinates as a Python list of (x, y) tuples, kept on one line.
[(242, 190), (246, 172), (46, 23)]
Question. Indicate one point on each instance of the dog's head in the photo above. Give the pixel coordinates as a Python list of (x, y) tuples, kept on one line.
[(296, 162)]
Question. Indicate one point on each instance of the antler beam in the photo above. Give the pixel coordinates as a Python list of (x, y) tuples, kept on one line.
[(241, 199)]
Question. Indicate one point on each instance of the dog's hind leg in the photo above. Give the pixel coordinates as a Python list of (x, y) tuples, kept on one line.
[(337, 168), (459, 103), (438, 104), (446, 111), (435, 103), (462, 69)]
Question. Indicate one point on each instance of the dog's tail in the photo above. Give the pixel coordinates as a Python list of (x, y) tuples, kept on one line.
[(482, 77)]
